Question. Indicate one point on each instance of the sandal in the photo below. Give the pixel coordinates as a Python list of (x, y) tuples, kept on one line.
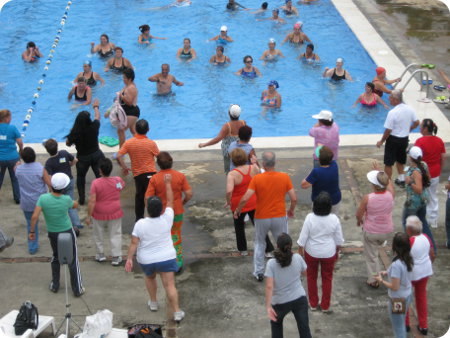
[(373, 285), (429, 66), (439, 88)]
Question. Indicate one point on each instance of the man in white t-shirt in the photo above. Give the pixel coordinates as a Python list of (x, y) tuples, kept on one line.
[(155, 252), (399, 122)]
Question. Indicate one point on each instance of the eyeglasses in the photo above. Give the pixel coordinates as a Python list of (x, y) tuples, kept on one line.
[(249, 61)]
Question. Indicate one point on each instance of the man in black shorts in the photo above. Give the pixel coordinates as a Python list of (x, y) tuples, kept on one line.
[(400, 121)]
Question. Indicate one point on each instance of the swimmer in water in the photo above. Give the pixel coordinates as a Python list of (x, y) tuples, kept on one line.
[(338, 73), (105, 49), (118, 63), (32, 53), (271, 54), (289, 9), (90, 76), (249, 71), (177, 3), (145, 37), (296, 37), (309, 55), (275, 16), (369, 98), (223, 37), (164, 80), (219, 59), (380, 81), (270, 98), (186, 53), (82, 92), (261, 10), (233, 5)]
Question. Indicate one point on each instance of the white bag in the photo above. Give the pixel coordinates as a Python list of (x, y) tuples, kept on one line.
[(98, 325)]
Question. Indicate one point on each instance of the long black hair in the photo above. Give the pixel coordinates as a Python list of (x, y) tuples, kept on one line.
[(429, 125), (402, 249), (79, 129), (283, 252), (423, 171)]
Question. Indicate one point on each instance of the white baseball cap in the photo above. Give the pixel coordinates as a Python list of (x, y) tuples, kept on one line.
[(234, 111), (415, 152), (60, 181), (324, 115), (224, 28), (372, 177)]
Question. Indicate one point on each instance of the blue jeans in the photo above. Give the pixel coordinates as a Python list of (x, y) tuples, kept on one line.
[(398, 320), (73, 213), (447, 222), (422, 214), (33, 246), (9, 164)]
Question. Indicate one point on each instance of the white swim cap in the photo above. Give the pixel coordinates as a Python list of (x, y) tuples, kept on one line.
[(340, 60), (272, 40), (224, 28), (234, 111)]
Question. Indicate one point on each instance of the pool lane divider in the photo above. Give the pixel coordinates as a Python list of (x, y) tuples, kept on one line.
[(48, 62)]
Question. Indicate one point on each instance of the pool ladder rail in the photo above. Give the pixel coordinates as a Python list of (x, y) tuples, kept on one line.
[(425, 76)]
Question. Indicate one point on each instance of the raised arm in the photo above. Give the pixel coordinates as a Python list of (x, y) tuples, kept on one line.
[(154, 78)]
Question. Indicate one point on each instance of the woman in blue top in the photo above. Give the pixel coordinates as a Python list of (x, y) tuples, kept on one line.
[(399, 286), (146, 37), (9, 137), (249, 71), (270, 98), (324, 178), (222, 38)]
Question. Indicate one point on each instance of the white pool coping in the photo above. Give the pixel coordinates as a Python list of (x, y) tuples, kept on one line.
[(381, 54)]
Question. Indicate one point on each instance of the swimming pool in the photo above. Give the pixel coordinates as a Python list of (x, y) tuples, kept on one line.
[(199, 107)]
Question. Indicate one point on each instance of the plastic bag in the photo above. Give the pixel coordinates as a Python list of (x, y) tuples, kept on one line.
[(98, 325)]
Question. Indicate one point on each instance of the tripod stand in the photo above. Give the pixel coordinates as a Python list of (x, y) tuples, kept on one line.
[(65, 256)]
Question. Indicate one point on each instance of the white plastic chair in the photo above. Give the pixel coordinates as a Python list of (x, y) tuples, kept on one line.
[(7, 326)]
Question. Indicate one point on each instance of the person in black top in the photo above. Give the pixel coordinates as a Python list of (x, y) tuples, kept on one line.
[(62, 162), (90, 76), (84, 135), (233, 5), (82, 92)]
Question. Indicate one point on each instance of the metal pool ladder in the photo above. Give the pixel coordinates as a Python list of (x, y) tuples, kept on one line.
[(425, 77)]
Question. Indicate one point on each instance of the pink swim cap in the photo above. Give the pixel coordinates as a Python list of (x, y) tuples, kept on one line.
[(380, 70), (298, 24)]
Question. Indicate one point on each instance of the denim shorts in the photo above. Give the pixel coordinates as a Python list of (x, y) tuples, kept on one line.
[(166, 266)]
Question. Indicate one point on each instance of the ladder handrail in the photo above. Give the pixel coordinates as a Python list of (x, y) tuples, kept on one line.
[(421, 71), (404, 72)]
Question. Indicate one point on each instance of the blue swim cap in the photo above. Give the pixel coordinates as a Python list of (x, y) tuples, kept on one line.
[(276, 10), (288, 1), (87, 62), (273, 83)]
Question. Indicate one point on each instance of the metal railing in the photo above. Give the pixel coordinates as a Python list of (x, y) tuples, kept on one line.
[(425, 76)]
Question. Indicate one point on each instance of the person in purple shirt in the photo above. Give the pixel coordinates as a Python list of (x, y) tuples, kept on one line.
[(325, 133)]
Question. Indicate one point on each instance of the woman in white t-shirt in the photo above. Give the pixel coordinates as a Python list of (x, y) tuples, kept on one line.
[(423, 255), (284, 290), (155, 252)]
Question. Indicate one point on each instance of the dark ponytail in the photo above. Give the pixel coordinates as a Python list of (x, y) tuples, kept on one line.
[(144, 28), (402, 249), (423, 171), (429, 125), (283, 252)]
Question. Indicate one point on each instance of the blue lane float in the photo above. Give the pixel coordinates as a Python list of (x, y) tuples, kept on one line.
[(48, 62)]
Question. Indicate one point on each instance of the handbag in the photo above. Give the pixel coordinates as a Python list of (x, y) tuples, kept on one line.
[(145, 331), (398, 305)]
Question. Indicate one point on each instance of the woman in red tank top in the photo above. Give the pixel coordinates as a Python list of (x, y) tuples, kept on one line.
[(237, 184)]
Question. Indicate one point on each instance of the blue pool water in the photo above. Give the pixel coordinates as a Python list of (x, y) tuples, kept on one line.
[(200, 107)]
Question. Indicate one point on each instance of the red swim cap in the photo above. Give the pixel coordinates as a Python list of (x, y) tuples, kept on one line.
[(380, 70)]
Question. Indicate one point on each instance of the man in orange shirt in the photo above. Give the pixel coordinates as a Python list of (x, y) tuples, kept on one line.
[(270, 188), (142, 152), (180, 186)]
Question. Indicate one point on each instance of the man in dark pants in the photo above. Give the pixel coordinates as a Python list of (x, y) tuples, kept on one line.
[(55, 206), (142, 152), (400, 121)]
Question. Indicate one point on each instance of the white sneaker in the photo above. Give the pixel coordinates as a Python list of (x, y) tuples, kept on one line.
[(178, 316), (116, 261), (153, 306), (100, 257), (433, 223), (244, 253)]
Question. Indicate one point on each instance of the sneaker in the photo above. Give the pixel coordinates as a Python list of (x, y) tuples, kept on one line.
[(433, 223), (82, 291), (259, 277), (153, 306), (401, 184), (178, 316), (116, 261), (313, 308), (53, 287), (100, 257), (269, 254), (424, 332), (327, 311), (244, 253)]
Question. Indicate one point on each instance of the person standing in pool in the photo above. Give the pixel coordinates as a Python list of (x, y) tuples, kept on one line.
[(90, 76), (145, 37), (219, 59), (164, 80), (261, 10), (289, 9), (270, 98), (275, 16), (271, 54), (118, 63), (233, 5), (105, 49), (309, 55), (296, 37), (128, 100), (32, 53), (369, 98), (82, 92), (337, 73), (186, 53), (249, 71), (380, 82), (222, 38)]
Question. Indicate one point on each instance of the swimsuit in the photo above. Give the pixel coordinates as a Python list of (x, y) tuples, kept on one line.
[(116, 68), (187, 55), (249, 75), (377, 91), (34, 58), (269, 102), (107, 54), (130, 110), (370, 104), (149, 39), (221, 41), (80, 98), (336, 77), (218, 62), (291, 40), (313, 58), (91, 81)]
